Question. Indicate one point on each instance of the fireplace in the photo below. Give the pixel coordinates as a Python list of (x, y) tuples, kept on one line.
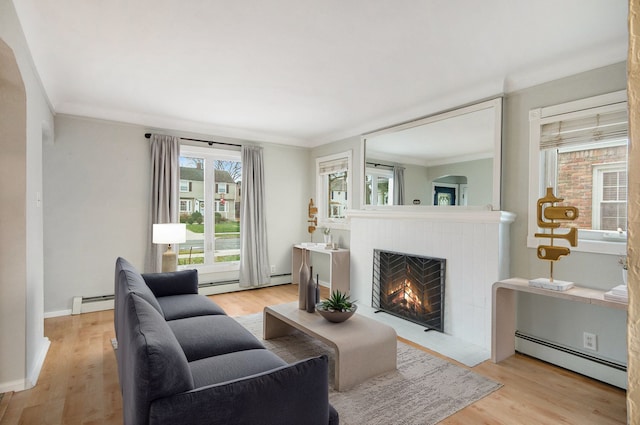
[(410, 287)]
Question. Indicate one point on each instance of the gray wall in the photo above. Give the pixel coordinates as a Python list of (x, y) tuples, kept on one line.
[(97, 190), (562, 322), (417, 185), (479, 174), (22, 341)]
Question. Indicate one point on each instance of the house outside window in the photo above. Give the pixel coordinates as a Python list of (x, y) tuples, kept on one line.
[(185, 186), (610, 197), (580, 149), (213, 227)]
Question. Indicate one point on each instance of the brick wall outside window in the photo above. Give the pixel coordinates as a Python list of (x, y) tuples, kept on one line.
[(575, 178)]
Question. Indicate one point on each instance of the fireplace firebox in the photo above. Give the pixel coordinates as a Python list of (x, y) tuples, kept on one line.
[(410, 287)]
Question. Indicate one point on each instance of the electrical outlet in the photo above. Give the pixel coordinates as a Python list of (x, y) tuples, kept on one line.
[(590, 341), (273, 268)]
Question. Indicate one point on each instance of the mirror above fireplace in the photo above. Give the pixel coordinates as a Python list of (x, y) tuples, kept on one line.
[(451, 158)]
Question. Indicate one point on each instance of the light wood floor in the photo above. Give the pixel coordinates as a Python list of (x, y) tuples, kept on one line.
[(79, 384)]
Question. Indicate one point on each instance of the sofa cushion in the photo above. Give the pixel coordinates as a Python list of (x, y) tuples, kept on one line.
[(172, 283), (191, 305), (128, 279), (231, 366), (153, 364), (206, 336)]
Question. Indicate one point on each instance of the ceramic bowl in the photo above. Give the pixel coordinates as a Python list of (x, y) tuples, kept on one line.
[(335, 316)]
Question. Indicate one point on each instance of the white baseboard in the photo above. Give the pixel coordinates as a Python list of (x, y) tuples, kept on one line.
[(59, 313), (107, 304), (17, 385), (235, 287), (584, 366), (34, 373)]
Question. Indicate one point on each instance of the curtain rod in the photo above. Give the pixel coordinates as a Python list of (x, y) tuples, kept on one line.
[(376, 164), (211, 143)]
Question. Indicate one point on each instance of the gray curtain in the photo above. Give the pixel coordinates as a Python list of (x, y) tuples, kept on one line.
[(165, 202), (254, 259), (398, 185)]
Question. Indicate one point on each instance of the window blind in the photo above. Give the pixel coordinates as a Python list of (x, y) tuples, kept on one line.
[(596, 128), (333, 166)]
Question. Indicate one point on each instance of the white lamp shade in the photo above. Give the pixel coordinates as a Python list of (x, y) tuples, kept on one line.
[(170, 233)]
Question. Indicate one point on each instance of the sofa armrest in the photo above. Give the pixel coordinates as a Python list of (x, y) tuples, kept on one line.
[(172, 283), (290, 395)]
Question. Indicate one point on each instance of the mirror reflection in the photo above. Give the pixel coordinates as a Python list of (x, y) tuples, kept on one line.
[(451, 158)]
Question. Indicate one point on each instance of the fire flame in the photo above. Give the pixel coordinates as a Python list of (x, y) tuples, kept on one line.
[(404, 294)]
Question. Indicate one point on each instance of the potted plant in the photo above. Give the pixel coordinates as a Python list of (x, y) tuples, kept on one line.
[(327, 235), (625, 265), (337, 308)]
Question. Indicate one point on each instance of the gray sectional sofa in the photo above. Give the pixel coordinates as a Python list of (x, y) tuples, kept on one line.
[(182, 360)]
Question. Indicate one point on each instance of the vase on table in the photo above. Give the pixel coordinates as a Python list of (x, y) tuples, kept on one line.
[(311, 294), (303, 280)]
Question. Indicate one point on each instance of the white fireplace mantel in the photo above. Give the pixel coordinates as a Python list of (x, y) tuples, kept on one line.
[(439, 213), (473, 240)]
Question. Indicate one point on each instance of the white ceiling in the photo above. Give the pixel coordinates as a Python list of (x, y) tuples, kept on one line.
[(306, 72)]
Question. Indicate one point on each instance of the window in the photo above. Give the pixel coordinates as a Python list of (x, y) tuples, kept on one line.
[(221, 206), (610, 197), (580, 149), (185, 186), (378, 187), (334, 189), (185, 206), (213, 227)]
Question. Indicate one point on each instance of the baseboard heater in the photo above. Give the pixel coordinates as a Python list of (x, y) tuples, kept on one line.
[(105, 302), (91, 304), (602, 369)]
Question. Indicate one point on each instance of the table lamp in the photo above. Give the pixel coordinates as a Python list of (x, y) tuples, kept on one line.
[(169, 233)]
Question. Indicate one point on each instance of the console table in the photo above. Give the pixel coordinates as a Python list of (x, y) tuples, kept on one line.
[(339, 269), (503, 321)]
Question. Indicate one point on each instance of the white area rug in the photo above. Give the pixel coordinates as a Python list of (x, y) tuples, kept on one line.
[(424, 390)]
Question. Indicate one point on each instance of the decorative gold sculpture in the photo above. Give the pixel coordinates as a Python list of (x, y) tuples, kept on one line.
[(312, 217), (549, 216)]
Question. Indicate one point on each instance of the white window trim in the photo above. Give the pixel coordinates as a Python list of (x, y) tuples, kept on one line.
[(186, 183), (209, 153), (322, 192), (537, 184), (226, 187)]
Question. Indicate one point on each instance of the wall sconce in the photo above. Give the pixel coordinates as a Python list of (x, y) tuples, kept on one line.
[(169, 233)]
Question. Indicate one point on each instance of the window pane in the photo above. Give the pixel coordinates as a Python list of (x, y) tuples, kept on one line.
[(214, 237), (191, 203), (337, 194), (227, 211), (613, 216)]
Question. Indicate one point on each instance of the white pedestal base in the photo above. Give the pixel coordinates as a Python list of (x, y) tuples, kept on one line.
[(555, 285)]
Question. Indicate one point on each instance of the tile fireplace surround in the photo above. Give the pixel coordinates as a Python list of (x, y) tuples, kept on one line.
[(475, 243)]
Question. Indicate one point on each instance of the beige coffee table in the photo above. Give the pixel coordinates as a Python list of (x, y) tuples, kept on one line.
[(364, 348)]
